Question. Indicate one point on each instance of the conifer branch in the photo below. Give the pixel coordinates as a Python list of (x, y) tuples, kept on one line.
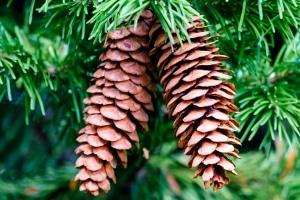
[(21, 68), (260, 18), (271, 99)]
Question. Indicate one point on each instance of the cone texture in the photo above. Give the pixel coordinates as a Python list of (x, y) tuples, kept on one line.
[(121, 94), (199, 101)]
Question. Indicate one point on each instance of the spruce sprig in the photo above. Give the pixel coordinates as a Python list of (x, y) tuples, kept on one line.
[(72, 17), (96, 18), (277, 107), (259, 18), (21, 69), (268, 97)]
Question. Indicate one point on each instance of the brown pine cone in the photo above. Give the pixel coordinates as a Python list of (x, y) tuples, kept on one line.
[(122, 93), (199, 100)]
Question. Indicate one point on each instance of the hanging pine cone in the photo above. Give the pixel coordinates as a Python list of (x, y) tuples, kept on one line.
[(199, 101), (117, 108)]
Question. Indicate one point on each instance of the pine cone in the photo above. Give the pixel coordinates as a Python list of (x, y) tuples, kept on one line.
[(199, 101), (117, 108)]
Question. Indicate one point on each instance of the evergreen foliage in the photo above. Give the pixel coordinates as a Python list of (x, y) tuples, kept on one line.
[(49, 50)]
